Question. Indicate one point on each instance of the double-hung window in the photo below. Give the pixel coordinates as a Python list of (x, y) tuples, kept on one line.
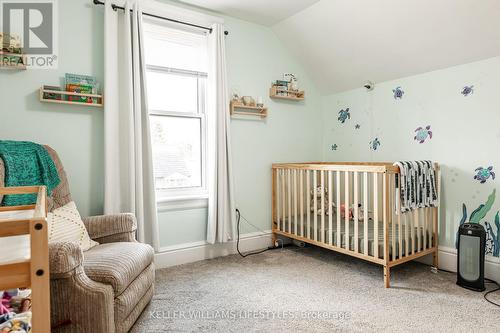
[(176, 74)]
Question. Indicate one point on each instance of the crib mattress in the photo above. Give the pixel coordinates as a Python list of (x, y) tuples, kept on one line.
[(418, 232)]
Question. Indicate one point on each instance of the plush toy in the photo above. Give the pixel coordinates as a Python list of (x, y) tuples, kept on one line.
[(361, 212), (321, 210), (5, 303)]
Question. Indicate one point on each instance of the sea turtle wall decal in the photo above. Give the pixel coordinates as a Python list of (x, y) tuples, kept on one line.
[(398, 93), (374, 144), (482, 174), (344, 115), (467, 90), (422, 134), (334, 146)]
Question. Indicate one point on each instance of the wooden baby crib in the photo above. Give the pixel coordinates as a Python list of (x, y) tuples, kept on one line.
[(352, 208)]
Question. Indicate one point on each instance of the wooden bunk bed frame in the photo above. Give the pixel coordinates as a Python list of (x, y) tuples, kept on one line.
[(33, 272), (387, 238)]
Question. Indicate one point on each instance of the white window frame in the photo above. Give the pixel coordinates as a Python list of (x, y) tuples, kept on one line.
[(196, 192)]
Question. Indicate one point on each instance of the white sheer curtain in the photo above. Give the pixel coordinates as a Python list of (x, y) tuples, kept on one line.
[(128, 174), (221, 209)]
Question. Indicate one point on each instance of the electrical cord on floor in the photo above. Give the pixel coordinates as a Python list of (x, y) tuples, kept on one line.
[(485, 279), (239, 216), (491, 291)]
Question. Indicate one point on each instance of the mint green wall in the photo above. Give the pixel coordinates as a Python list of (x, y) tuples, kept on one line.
[(75, 132), (255, 58), (291, 132), (466, 133)]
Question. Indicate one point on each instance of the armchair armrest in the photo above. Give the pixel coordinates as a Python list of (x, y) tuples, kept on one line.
[(111, 228), (64, 258), (73, 293)]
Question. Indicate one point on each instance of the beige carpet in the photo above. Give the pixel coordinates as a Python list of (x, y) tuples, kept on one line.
[(311, 290)]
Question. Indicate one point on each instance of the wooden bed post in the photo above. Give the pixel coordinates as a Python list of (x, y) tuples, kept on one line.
[(386, 212)]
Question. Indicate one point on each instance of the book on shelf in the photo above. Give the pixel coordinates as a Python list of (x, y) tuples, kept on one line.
[(81, 89), (51, 95), (82, 84)]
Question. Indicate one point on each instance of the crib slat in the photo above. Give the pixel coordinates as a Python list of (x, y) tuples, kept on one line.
[(289, 183), (365, 217), (417, 222), (322, 174), (356, 212), (315, 205), (308, 203), (426, 220), (283, 199), (330, 204), (435, 227), (339, 241), (301, 191), (278, 198), (375, 215), (392, 182), (406, 233), (411, 217), (385, 198), (295, 220), (398, 210), (346, 210)]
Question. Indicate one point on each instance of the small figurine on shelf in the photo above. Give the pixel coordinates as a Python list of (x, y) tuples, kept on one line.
[(10, 43), (293, 83), (248, 100), (260, 102)]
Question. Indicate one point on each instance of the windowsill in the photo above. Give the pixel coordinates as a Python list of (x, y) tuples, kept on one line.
[(183, 202), (182, 198)]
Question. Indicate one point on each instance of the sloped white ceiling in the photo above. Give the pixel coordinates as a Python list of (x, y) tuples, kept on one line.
[(265, 12), (343, 43)]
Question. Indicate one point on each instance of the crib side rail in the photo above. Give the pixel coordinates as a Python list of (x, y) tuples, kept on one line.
[(350, 208), (315, 203), (414, 233)]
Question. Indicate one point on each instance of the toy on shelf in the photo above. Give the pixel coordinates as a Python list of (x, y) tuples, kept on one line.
[(287, 88), (247, 106), (11, 55)]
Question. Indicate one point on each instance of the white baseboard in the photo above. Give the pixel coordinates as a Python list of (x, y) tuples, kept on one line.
[(448, 261), (186, 253)]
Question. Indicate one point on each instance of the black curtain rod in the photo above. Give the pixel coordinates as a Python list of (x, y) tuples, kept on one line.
[(115, 7)]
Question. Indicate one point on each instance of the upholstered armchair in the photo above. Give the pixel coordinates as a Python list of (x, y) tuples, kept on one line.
[(104, 289)]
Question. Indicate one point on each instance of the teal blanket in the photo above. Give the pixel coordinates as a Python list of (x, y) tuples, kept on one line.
[(26, 164)]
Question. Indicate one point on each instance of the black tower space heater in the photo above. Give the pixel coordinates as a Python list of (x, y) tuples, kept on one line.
[(470, 262)]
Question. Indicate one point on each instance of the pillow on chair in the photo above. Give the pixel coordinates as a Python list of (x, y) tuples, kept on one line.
[(66, 225)]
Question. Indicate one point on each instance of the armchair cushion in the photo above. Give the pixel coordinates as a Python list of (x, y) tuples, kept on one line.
[(117, 264)]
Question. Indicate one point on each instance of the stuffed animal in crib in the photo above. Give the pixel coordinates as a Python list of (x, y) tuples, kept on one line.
[(321, 210), (361, 212)]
